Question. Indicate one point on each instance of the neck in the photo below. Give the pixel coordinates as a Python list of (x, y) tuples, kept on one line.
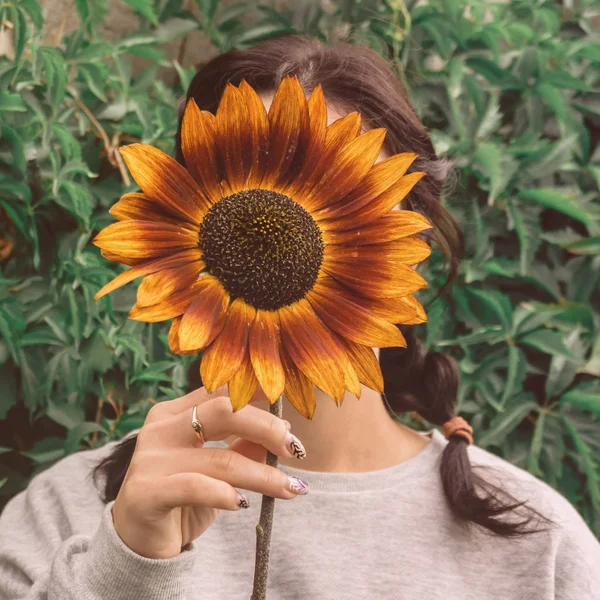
[(357, 436)]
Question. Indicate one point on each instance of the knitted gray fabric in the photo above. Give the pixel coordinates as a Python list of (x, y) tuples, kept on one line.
[(384, 534)]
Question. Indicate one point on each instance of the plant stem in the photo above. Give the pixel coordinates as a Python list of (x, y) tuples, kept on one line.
[(263, 529)]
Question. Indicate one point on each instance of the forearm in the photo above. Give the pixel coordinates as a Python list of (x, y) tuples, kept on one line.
[(97, 567)]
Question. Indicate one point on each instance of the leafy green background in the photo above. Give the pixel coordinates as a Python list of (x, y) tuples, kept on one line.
[(509, 91)]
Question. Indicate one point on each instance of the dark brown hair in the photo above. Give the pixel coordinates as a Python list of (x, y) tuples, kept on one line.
[(356, 78)]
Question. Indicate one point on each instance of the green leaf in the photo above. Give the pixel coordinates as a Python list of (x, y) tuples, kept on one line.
[(506, 422), (79, 432), (12, 103), (533, 464), (590, 467), (48, 450), (549, 198), (515, 372), (145, 8), (92, 12), (20, 32), (583, 399), (34, 10), (548, 342), (589, 245), (527, 227), (56, 75), (208, 8)]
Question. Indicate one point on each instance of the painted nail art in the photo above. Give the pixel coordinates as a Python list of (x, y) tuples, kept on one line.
[(243, 501), (294, 445), (296, 485)]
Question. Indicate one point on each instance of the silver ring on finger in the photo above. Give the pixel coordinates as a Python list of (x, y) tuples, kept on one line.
[(197, 427)]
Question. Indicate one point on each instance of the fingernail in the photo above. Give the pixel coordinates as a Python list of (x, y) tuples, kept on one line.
[(287, 424), (294, 446), (297, 486), (243, 501)]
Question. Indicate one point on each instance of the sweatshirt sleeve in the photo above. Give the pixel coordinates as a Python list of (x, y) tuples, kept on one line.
[(577, 566), (41, 558)]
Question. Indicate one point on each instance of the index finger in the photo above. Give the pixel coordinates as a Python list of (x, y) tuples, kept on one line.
[(194, 398)]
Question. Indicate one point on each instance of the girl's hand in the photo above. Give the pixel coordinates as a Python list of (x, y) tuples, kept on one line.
[(174, 488)]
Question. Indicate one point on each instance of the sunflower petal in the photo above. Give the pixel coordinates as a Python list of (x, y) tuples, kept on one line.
[(258, 124), (169, 308), (348, 168), (164, 179), (243, 385), (379, 179), (378, 281), (126, 260), (174, 339), (408, 250), (147, 268), (198, 144), (233, 137), (204, 318), (316, 351), (145, 239), (139, 207), (340, 133), (317, 112), (351, 320), (223, 357), (393, 226), (299, 389), (289, 131), (376, 208), (157, 286), (264, 346), (401, 310), (365, 363)]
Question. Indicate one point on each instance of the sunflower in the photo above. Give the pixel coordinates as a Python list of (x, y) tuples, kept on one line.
[(276, 250)]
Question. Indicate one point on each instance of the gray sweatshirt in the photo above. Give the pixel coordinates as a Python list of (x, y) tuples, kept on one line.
[(385, 534)]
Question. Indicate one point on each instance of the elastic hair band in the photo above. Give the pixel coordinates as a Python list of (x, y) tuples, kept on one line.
[(458, 426)]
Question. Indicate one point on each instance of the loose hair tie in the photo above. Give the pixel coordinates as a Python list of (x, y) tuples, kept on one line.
[(458, 426)]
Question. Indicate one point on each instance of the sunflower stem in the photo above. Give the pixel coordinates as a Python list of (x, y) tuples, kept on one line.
[(265, 523)]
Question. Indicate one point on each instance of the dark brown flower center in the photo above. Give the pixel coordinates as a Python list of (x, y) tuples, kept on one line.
[(263, 246)]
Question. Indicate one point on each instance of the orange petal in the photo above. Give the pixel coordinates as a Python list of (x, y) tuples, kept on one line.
[(258, 125), (379, 281), (126, 260), (164, 179), (157, 286), (145, 239), (264, 346), (408, 250), (174, 339), (349, 167), (243, 385), (289, 134), (316, 351), (204, 318), (402, 310), (223, 357), (299, 389), (169, 308), (233, 137), (317, 112), (351, 320), (139, 207), (340, 133), (168, 262), (378, 207), (365, 363), (198, 144), (393, 226), (379, 179)]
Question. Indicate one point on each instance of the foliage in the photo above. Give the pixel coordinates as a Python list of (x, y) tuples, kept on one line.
[(509, 92)]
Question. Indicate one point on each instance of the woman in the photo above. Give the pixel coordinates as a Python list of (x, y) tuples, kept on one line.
[(385, 512)]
